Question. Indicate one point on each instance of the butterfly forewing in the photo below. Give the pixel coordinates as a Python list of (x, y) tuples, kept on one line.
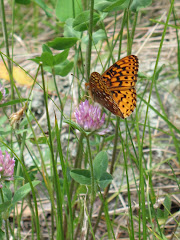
[(114, 89), (121, 74)]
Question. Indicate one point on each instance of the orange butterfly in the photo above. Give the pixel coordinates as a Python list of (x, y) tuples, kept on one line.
[(114, 89)]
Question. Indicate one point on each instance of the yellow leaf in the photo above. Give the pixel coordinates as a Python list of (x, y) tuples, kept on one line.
[(3, 72), (18, 74)]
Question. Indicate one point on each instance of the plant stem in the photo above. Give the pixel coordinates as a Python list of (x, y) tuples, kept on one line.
[(92, 184), (111, 172), (6, 223), (89, 46), (56, 178), (3, 17)]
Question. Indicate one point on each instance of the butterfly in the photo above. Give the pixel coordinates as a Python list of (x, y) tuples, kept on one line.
[(115, 88)]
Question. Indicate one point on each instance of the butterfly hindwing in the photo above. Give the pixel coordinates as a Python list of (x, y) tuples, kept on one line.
[(126, 101), (100, 94)]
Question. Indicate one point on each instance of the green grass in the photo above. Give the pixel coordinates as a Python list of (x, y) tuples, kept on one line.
[(60, 166)]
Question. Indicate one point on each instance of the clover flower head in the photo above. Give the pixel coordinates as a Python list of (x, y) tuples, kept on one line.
[(6, 167), (88, 116)]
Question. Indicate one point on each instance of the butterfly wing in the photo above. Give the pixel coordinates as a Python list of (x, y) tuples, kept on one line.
[(126, 101), (120, 80), (114, 89), (100, 94)]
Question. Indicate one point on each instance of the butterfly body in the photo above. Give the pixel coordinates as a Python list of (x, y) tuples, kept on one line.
[(114, 89)]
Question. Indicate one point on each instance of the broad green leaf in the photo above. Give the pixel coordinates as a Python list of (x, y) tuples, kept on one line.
[(5, 132), (159, 70), (1, 221), (44, 6), (68, 9), (2, 234), (96, 36), (81, 176), (4, 206), (23, 2), (7, 91), (163, 214), (167, 206), (45, 48), (18, 178), (61, 69), (23, 191), (3, 119), (61, 43), (81, 22), (47, 59), (82, 189), (66, 69), (100, 164), (160, 215), (36, 59), (7, 194), (61, 57), (1, 96), (117, 5), (101, 5), (69, 30), (136, 5), (105, 180)]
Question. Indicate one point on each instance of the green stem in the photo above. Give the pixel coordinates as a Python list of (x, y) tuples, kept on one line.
[(111, 172), (5, 34), (78, 161), (115, 145), (56, 178), (121, 33), (178, 42), (59, 97), (134, 27), (131, 230), (66, 184), (91, 169), (77, 164), (145, 122), (6, 222), (92, 184), (88, 52)]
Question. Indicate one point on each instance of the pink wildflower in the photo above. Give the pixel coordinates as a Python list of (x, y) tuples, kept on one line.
[(89, 117), (6, 168)]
